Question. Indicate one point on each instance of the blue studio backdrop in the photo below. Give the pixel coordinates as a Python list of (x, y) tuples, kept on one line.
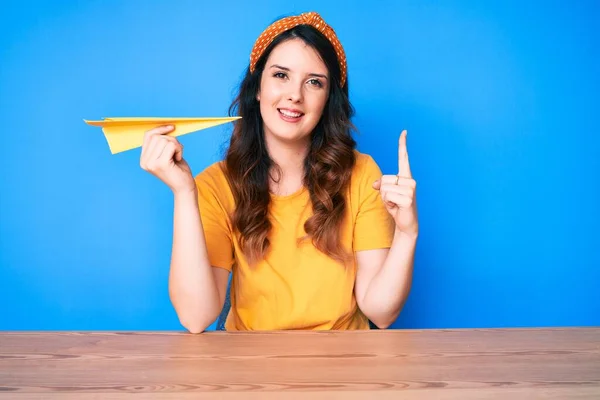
[(500, 100)]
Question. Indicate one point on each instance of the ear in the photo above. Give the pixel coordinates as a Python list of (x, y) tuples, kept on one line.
[(258, 97)]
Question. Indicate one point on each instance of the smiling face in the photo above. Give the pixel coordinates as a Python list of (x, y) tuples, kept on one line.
[(293, 92)]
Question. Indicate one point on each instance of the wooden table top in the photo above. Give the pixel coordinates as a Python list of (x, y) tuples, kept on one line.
[(380, 364)]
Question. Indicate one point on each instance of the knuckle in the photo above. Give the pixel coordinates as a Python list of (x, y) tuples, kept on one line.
[(152, 139), (149, 133), (151, 166)]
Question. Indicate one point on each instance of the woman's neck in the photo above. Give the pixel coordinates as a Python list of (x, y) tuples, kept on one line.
[(289, 157)]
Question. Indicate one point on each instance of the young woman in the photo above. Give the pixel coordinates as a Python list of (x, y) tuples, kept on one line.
[(312, 233)]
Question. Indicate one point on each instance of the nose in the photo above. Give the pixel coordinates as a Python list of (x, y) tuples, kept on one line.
[(295, 93)]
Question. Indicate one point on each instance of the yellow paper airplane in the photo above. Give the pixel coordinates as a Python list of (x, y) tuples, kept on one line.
[(128, 133)]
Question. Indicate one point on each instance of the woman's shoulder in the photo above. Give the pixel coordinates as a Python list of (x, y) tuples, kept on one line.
[(365, 165), (365, 172), (212, 177)]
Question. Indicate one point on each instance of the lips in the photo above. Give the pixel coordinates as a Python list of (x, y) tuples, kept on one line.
[(290, 113)]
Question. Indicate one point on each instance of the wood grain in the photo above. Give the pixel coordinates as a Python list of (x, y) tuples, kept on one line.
[(416, 364)]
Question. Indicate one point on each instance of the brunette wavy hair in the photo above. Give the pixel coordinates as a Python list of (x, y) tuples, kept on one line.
[(327, 166)]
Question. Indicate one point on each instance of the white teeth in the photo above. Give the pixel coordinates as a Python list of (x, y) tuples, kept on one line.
[(290, 114)]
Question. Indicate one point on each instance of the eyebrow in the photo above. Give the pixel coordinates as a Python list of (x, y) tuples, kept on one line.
[(287, 69)]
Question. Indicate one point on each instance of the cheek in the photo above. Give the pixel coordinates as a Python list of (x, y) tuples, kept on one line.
[(269, 93), (318, 102)]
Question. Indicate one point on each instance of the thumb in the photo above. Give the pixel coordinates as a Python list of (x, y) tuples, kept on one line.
[(377, 184)]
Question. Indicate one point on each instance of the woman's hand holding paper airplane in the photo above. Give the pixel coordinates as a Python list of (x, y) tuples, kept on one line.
[(162, 156)]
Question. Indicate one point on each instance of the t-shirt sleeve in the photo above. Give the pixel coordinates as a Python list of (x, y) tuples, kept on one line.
[(217, 229), (374, 228)]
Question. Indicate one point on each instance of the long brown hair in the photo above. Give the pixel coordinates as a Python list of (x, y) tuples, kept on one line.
[(327, 166)]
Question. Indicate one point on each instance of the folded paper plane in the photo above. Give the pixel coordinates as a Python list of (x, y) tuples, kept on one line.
[(128, 133)]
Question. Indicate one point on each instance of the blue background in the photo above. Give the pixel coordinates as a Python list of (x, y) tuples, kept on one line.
[(500, 100)]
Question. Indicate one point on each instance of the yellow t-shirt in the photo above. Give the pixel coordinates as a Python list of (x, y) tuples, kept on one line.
[(295, 286)]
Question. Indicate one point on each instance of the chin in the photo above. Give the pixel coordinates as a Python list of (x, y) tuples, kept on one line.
[(288, 134)]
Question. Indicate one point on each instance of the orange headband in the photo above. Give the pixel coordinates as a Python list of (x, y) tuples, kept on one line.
[(284, 24)]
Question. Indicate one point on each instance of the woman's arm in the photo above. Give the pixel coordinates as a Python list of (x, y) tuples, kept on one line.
[(197, 290), (384, 276), (384, 279)]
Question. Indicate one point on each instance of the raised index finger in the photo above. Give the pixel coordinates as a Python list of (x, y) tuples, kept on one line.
[(403, 164)]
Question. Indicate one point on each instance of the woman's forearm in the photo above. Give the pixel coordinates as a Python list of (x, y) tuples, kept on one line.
[(192, 287), (389, 288)]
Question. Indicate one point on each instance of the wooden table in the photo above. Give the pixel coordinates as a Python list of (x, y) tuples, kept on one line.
[(389, 364)]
